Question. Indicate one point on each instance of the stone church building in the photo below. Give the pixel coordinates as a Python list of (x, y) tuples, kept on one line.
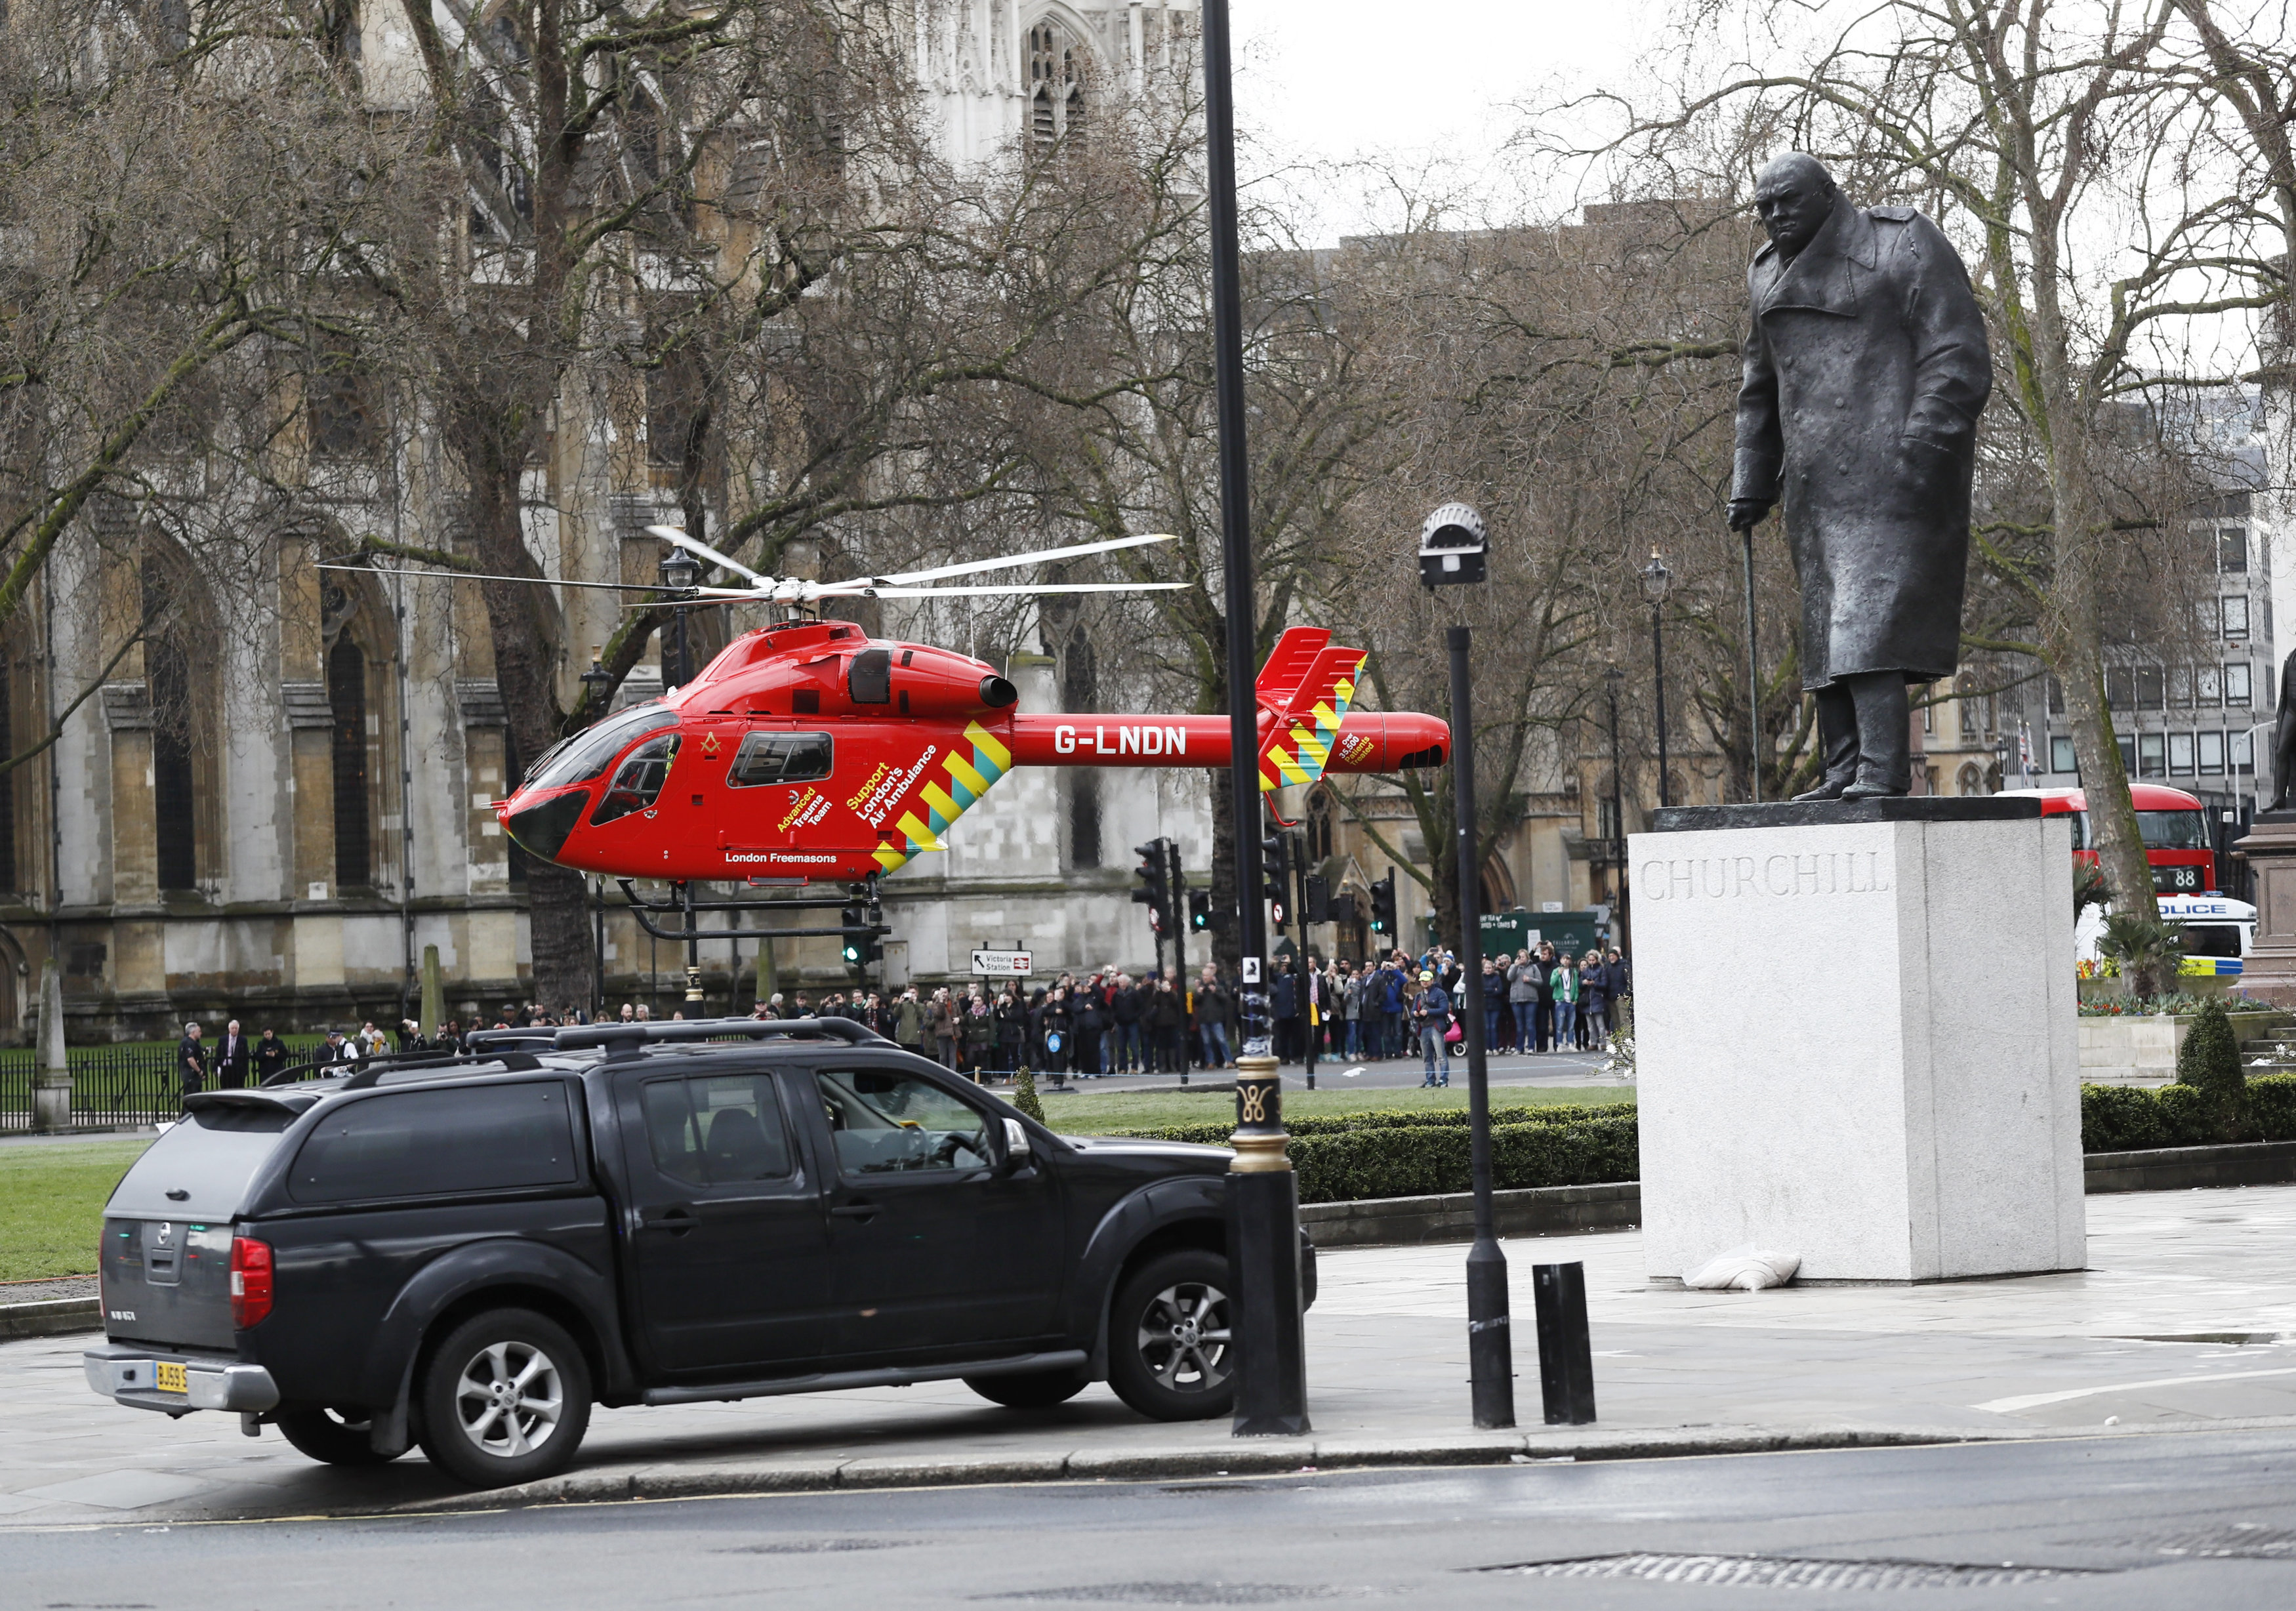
[(276, 797)]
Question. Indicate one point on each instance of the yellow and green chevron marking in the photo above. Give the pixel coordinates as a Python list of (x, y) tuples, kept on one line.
[(1301, 755), (975, 763)]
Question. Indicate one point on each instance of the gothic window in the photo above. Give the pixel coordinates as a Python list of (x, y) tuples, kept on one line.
[(346, 695), (1319, 826), (7, 781), (1057, 71), (175, 803), (344, 403), (176, 806)]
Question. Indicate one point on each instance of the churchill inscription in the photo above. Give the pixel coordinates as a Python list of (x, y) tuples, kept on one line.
[(1727, 878)]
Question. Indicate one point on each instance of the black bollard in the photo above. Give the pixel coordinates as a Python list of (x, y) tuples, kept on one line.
[(1566, 1357)]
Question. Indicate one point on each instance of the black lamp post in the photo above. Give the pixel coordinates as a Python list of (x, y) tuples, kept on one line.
[(1453, 550), (1611, 678), (1271, 1350), (1658, 581)]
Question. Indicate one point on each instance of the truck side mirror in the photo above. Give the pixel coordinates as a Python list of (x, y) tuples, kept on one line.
[(1017, 1154)]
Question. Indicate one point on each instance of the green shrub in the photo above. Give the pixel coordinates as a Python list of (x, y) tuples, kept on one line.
[(2209, 1062), (2121, 1118), (1024, 1095), (2272, 1108)]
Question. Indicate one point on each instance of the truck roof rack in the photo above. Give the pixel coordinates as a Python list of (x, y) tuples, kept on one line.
[(621, 1041)]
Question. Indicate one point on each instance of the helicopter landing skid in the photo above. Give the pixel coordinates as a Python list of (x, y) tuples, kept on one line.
[(683, 904)]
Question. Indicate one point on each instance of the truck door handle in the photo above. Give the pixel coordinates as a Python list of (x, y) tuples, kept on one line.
[(854, 1211), (677, 1220)]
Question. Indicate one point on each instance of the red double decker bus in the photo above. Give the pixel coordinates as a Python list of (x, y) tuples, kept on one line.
[(2174, 823)]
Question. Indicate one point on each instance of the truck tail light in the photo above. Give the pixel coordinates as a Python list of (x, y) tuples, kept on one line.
[(250, 1281)]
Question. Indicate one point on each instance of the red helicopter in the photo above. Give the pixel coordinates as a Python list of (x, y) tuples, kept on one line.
[(810, 752)]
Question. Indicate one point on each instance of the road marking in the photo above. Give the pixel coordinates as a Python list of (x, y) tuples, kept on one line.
[(2034, 1400)]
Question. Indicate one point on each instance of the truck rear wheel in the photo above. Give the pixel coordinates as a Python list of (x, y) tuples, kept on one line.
[(340, 1437), (505, 1399)]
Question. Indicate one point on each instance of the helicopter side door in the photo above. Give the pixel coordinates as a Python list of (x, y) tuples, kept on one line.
[(776, 788)]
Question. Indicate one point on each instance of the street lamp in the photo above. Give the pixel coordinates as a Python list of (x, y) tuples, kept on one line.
[(1658, 581), (598, 681), (679, 571), (1452, 550)]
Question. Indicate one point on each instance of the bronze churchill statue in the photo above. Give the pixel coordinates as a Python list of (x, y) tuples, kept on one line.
[(1866, 370)]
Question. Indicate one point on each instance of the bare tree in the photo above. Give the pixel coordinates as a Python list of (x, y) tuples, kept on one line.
[(180, 189), (2106, 220)]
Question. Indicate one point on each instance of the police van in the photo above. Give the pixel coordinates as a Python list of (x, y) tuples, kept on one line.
[(2217, 931)]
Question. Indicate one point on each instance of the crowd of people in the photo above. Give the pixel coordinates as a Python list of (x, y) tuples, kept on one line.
[(1106, 1023)]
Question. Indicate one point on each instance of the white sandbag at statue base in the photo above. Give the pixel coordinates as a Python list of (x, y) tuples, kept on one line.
[(1747, 1269), (1855, 1037)]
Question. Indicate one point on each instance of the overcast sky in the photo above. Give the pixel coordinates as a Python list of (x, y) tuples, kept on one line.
[(1342, 79)]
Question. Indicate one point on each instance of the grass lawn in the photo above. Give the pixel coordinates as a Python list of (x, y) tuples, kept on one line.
[(1093, 1113), (52, 1199)]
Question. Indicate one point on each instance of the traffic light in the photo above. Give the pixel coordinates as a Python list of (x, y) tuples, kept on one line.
[(1317, 902), (1382, 904), (1199, 910), (855, 921), (1154, 873), (1275, 876)]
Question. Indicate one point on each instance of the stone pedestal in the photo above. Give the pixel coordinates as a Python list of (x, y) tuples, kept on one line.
[(2268, 972), (1855, 1038), (51, 1090)]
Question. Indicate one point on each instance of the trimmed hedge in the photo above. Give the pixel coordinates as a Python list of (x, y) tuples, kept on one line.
[(1341, 1123), (1340, 1157), (2132, 1119)]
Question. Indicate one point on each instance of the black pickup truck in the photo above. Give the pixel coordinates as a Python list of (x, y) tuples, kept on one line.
[(469, 1252)]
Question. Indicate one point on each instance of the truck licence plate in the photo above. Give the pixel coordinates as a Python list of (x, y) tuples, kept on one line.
[(168, 1377)]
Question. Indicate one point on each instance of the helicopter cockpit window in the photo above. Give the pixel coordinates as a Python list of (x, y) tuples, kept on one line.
[(638, 780), (780, 758), (585, 755)]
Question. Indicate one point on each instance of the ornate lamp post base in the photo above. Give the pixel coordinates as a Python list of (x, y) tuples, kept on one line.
[(1271, 1374)]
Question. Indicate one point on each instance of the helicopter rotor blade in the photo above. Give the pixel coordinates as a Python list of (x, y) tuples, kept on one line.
[(1011, 590), (474, 576), (971, 566), (670, 534)]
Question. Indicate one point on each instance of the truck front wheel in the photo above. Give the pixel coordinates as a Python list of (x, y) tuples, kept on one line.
[(505, 1399), (1171, 1356)]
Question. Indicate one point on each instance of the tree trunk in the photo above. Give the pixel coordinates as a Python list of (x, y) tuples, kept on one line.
[(2075, 640), (523, 629)]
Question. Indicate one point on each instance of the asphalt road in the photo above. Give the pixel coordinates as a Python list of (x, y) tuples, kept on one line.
[(2207, 1519)]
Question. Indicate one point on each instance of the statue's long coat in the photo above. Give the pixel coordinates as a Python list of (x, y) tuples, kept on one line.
[(1865, 373)]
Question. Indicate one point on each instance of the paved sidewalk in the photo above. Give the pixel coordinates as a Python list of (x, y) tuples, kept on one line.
[(2187, 1316)]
